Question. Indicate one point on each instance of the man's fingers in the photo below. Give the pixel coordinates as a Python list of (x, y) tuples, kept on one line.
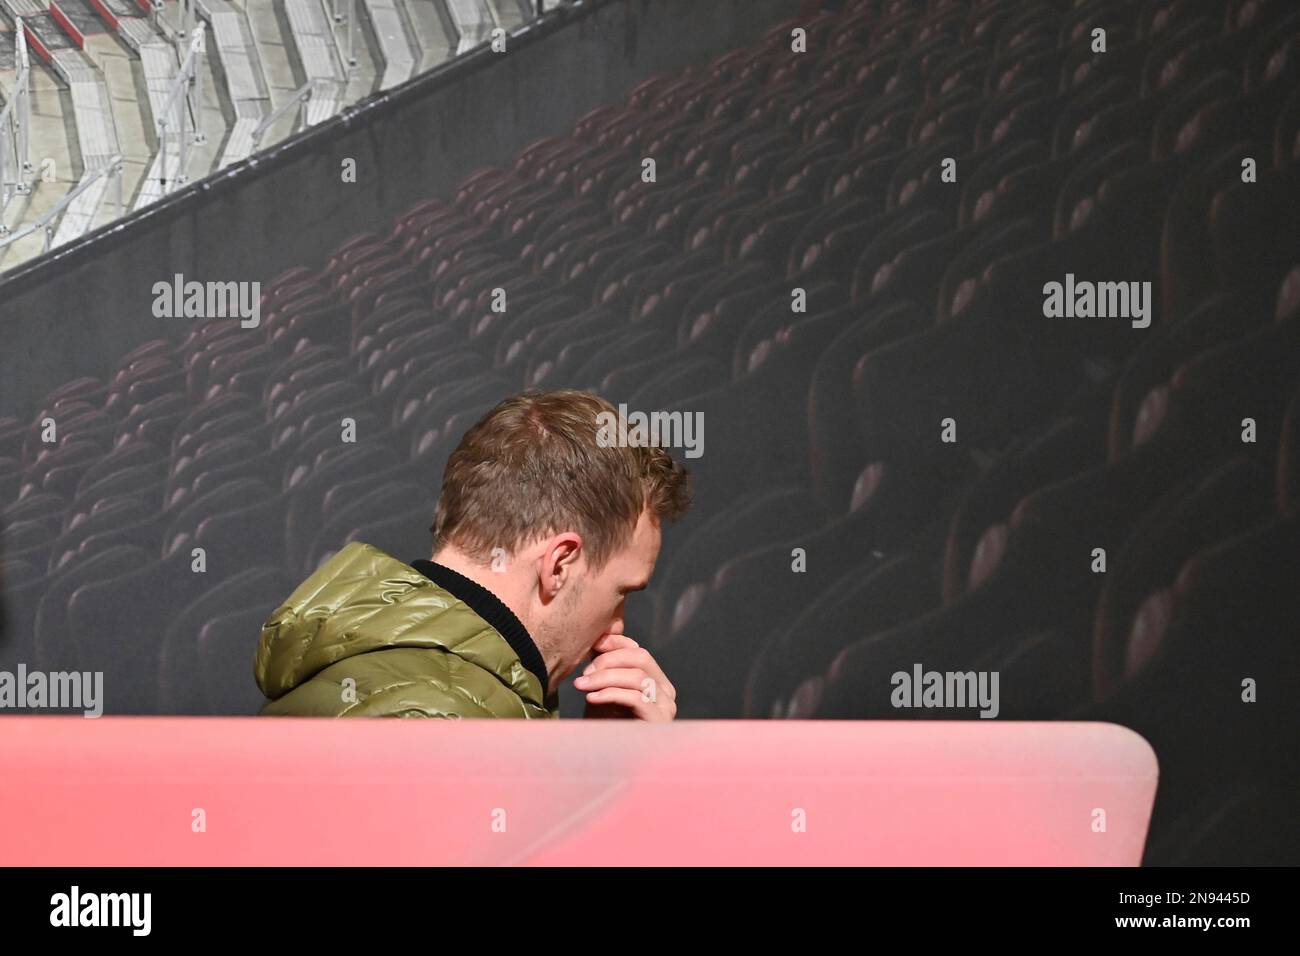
[(630, 676), (610, 677), (629, 657), (621, 657), (633, 678), (635, 701)]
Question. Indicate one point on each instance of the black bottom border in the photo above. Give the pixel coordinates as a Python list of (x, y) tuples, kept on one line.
[(355, 904)]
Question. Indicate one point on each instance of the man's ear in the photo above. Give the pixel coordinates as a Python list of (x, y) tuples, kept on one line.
[(557, 563)]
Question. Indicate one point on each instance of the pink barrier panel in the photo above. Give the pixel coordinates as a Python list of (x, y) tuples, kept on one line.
[(129, 791)]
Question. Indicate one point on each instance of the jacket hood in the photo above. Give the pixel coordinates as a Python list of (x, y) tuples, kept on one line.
[(364, 600)]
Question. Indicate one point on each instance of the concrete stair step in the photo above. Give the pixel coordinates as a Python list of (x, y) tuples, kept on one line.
[(398, 48), (79, 20), (430, 24)]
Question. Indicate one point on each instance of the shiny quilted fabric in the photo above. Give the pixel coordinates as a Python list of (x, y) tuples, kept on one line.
[(369, 636)]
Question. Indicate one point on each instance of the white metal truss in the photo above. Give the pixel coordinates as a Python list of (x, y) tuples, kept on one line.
[(15, 121), (299, 98), (336, 11), (181, 117), (96, 179)]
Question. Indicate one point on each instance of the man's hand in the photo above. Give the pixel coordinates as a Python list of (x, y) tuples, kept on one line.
[(623, 680)]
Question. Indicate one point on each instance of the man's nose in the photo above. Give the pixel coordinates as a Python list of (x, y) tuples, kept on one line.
[(615, 627)]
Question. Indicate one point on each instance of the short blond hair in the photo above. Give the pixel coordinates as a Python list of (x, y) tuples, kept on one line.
[(533, 466)]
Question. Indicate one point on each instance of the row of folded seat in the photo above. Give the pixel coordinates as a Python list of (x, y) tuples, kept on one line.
[(775, 171)]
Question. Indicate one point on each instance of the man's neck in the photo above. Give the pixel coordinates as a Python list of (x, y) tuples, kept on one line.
[(500, 584)]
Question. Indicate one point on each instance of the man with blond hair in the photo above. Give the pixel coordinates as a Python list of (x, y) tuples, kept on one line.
[(542, 529)]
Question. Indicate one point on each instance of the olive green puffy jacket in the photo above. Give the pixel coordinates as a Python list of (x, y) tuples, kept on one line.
[(410, 647)]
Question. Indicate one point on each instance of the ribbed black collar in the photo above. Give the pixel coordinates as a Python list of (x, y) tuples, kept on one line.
[(491, 608)]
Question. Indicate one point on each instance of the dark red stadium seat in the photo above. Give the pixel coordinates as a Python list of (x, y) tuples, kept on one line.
[(56, 645), (179, 675), (1067, 448), (864, 599), (1231, 496), (367, 506)]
